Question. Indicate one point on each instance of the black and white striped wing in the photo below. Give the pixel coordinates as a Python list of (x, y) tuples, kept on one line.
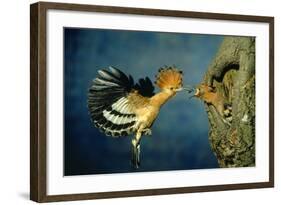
[(108, 104)]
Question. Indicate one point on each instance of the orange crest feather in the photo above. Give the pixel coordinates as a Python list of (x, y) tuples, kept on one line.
[(169, 77)]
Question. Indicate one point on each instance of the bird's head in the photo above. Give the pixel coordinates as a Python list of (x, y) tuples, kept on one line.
[(202, 90), (169, 79)]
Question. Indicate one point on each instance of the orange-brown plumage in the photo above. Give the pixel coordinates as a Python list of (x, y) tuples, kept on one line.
[(125, 109), (169, 77), (208, 95)]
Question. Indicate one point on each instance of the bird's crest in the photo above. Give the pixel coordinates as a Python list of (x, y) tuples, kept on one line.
[(169, 77)]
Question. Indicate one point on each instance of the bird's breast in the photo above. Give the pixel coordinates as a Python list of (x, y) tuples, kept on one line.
[(147, 115)]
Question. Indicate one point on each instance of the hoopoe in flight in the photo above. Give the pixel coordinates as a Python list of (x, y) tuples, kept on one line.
[(119, 107)]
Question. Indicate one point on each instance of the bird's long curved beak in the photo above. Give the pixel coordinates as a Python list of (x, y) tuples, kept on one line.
[(192, 89), (188, 88), (179, 89)]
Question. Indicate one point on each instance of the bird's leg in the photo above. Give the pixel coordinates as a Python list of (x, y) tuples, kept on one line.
[(136, 150), (147, 131)]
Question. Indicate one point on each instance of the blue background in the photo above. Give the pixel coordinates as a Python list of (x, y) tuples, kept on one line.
[(179, 135)]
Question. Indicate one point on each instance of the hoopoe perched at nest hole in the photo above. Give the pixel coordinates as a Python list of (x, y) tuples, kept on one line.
[(210, 96), (119, 107)]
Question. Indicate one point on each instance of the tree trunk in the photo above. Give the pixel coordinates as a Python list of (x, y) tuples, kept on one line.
[(232, 75)]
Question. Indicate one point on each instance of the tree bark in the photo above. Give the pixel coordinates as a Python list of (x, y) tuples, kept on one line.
[(232, 75)]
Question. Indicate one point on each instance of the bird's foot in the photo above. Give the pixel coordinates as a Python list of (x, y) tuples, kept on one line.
[(147, 132)]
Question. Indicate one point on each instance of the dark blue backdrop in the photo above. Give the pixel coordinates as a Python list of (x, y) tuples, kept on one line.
[(180, 134)]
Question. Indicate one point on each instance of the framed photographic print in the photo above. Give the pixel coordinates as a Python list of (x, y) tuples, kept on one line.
[(134, 102)]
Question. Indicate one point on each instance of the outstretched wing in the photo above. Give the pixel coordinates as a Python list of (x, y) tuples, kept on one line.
[(145, 87), (111, 108)]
